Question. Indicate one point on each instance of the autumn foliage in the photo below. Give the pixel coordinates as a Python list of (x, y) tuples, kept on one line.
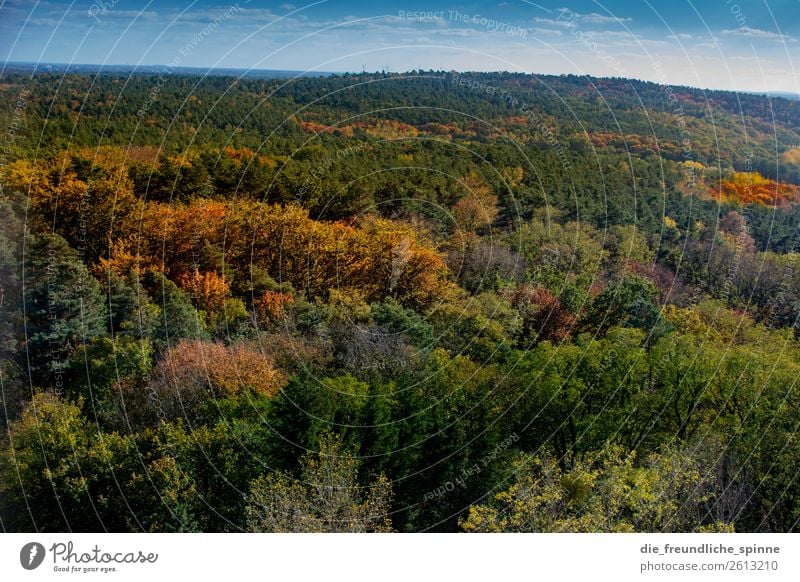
[(544, 317), (375, 256), (209, 290), (752, 188), (478, 208), (271, 306), (202, 368), (212, 247), (236, 314)]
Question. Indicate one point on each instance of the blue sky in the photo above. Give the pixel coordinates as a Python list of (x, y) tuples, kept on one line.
[(746, 45)]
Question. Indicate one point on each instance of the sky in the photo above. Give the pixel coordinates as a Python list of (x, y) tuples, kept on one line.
[(742, 45)]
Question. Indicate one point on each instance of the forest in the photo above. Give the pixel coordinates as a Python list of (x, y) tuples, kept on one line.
[(420, 302)]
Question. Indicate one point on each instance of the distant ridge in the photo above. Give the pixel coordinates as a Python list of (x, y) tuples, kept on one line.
[(782, 94), (159, 69), (85, 69)]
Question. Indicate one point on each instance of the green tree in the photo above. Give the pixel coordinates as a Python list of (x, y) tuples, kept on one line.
[(628, 302), (178, 319), (326, 496), (131, 311), (59, 473), (63, 307), (610, 493), (11, 238), (100, 367)]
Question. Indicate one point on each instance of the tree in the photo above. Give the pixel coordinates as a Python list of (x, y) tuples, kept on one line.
[(628, 302), (100, 366), (393, 318), (326, 496), (208, 290), (554, 253), (194, 371), (86, 197), (11, 239), (609, 493), (752, 188), (682, 371), (483, 264), (628, 244), (45, 444), (131, 312), (543, 316), (477, 209), (63, 307), (481, 326), (59, 473), (178, 319)]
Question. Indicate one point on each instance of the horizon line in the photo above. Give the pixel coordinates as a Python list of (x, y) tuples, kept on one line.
[(312, 72)]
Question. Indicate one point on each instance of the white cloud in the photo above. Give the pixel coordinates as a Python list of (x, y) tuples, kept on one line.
[(757, 33), (569, 19), (553, 21), (545, 32), (712, 44), (460, 32), (50, 22), (127, 14), (601, 19)]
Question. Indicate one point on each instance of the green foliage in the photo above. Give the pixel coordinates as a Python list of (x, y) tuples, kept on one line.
[(481, 326), (628, 302), (607, 493), (393, 318), (63, 307), (96, 369), (58, 473), (557, 254), (325, 497), (231, 322), (131, 312), (309, 407), (177, 318), (222, 333), (11, 240)]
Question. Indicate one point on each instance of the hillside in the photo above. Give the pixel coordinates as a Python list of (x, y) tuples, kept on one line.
[(461, 301)]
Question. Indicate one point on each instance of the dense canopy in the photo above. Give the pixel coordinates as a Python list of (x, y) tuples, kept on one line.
[(397, 303)]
